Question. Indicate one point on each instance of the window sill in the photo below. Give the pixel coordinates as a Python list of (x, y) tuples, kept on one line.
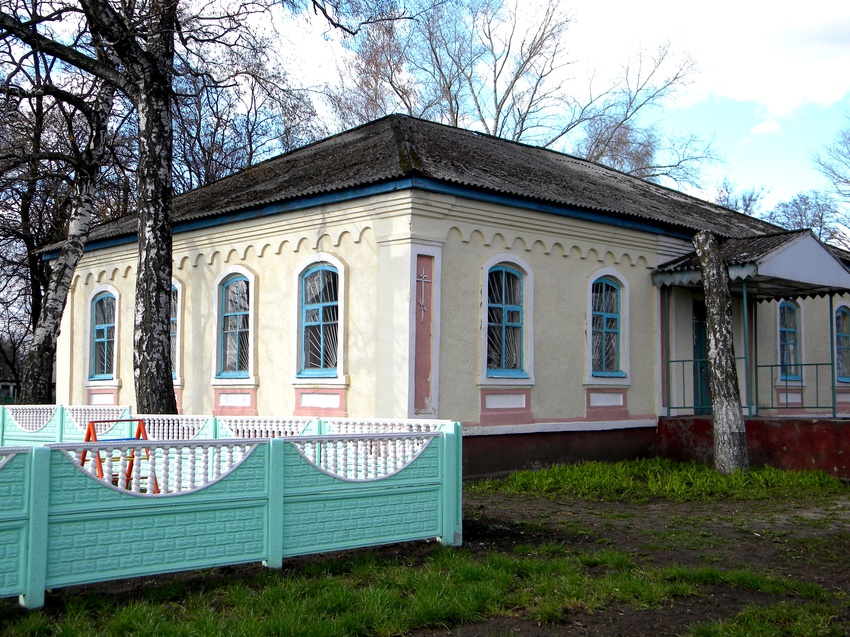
[(318, 382), (102, 382), (502, 381), (234, 381), (608, 381)]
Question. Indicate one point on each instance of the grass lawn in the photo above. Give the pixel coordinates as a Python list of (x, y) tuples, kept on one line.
[(645, 547)]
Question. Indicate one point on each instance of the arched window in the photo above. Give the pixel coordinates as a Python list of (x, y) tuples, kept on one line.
[(235, 328), (103, 337), (504, 321), (842, 344), (319, 331), (605, 327), (789, 341)]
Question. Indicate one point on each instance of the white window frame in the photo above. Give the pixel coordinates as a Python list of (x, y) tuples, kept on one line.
[(801, 350), (625, 329), (341, 358), (102, 382), (176, 364), (527, 321), (840, 305), (250, 378)]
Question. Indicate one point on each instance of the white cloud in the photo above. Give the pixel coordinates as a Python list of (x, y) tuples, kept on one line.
[(747, 50), (767, 127)]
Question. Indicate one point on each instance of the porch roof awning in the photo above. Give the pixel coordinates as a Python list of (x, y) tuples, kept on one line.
[(791, 264)]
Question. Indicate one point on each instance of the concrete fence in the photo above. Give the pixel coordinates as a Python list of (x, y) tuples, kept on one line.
[(75, 513)]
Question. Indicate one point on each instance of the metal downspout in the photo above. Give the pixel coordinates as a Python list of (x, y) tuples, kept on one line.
[(667, 345), (747, 378)]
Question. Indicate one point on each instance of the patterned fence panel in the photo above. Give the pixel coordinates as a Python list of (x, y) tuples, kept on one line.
[(380, 425), (77, 417), (30, 424), (99, 531), (261, 427), (75, 513), (337, 498), (179, 427), (15, 475), (41, 424)]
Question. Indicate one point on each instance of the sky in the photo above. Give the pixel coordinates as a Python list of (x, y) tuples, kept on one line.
[(772, 87)]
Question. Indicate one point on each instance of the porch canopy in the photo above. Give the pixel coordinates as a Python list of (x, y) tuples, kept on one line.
[(793, 264), (786, 265)]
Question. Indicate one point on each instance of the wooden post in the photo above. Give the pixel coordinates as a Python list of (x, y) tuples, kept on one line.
[(730, 444)]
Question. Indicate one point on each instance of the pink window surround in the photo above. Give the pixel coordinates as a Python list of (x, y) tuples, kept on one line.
[(506, 407), (102, 396), (235, 402), (178, 397), (606, 404), (321, 402)]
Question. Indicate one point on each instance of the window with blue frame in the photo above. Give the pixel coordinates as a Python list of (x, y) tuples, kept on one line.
[(103, 337), (235, 328), (789, 350), (842, 344), (319, 321), (173, 329), (605, 327), (504, 322)]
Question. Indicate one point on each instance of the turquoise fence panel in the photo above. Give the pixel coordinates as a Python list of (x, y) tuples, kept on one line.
[(43, 424), (76, 418), (31, 425), (99, 532), (261, 426), (15, 476), (75, 513), (323, 512), (179, 427)]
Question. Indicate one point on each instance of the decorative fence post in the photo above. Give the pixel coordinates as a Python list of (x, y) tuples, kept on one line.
[(452, 532), (36, 560), (274, 557)]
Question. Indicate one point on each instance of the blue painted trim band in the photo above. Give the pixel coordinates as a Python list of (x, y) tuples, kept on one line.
[(506, 373), (420, 183)]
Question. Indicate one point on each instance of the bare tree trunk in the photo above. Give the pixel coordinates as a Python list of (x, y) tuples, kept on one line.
[(36, 387), (730, 444), (151, 334)]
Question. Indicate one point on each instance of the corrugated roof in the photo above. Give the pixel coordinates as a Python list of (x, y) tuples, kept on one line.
[(398, 146)]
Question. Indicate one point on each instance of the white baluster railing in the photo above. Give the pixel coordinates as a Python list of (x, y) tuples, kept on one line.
[(360, 458), (157, 468), (262, 427)]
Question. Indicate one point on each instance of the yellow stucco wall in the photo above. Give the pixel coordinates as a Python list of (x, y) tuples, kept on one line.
[(375, 241)]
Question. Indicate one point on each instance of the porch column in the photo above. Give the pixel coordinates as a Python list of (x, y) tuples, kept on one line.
[(667, 347), (748, 381), (832, 352)]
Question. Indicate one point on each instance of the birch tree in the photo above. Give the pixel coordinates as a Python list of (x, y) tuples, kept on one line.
[(140, 45), (138, 60), (38, 368), (52, 146), (730, 443)]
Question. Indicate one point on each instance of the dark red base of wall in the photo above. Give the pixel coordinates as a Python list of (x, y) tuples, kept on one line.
[(785, 443), (499, 455)]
